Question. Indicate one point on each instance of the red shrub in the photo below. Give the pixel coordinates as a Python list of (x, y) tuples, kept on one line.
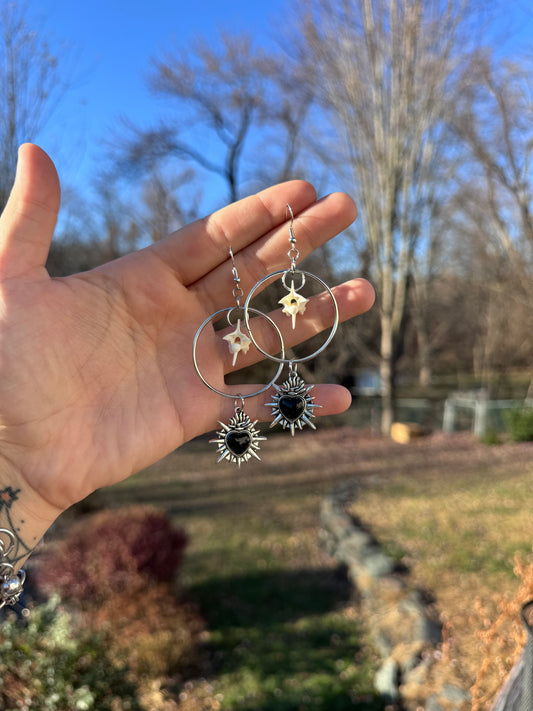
[(112, 551)]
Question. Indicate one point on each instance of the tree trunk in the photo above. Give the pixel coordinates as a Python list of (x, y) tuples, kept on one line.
[(386, 370), (424, 355)]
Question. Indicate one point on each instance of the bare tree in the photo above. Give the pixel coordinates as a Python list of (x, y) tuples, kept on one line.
[(94, 228), (162, 211), (385, 68), (494, 118), (30, 87), (118, 223), (233, 114)]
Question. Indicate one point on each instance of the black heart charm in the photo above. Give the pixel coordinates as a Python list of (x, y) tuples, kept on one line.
[(292, 407), (238, 442)]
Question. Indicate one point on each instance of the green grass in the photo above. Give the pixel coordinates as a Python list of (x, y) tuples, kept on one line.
[(279, 647), (472, 524)]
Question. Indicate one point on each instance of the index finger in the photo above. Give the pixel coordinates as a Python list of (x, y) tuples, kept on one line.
[(200, 247)]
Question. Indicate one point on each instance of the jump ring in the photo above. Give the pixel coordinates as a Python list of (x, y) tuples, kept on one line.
[(231, 395), (230, 312), (239, 408), (292, 273), (247, 309)]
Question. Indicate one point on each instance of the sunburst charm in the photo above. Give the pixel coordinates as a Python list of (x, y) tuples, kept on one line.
[(293, 304), (238, 441), (292, 405)]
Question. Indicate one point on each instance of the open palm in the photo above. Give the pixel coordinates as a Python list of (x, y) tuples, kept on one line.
[(96, 374)]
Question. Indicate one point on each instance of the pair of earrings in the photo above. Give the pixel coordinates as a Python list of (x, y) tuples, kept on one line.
[(292, 405)]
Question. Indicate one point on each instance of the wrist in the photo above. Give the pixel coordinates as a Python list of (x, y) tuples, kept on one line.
[(24, 519), (25, 514)]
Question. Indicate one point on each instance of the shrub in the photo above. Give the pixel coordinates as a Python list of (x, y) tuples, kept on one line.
[(111, 552), (46, 664), (115, 568), (156, 635), (519, 421), (490, 438)]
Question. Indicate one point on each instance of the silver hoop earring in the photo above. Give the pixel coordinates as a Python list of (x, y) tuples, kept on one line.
[(292, 406), (238, 440)]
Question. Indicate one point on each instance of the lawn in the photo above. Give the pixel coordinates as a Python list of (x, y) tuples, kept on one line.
[(283, 630)]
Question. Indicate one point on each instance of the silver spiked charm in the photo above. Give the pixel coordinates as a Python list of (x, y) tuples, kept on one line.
[(292, 406), (238, 441)]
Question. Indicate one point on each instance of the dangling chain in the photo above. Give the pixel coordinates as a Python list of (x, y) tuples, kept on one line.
[(293, 254), (237, 291), (11, 583)]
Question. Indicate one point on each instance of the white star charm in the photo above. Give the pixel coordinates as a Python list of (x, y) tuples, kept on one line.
[(238, 341), (293, 304)]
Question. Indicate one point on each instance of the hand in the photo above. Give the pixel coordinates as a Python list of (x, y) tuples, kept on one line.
[(96, 373)]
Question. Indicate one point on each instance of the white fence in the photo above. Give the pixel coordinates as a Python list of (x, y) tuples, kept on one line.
[(486, 414)]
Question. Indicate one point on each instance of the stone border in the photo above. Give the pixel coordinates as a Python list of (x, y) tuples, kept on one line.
[(402, 622)]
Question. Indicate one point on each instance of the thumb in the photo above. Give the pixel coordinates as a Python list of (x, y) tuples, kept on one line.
[(29, 219)]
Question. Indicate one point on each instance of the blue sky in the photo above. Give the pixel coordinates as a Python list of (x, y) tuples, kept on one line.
[(110, 42)]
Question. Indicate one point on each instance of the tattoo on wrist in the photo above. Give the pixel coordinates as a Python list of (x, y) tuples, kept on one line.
[(21, 549)]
